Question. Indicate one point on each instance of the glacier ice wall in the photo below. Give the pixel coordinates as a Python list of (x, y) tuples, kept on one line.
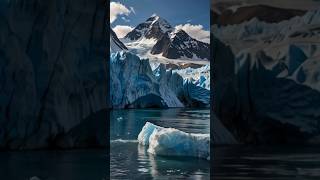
[(135, 85), (132, 79)]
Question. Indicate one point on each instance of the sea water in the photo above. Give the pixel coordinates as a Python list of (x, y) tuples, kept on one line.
[(129, 160)]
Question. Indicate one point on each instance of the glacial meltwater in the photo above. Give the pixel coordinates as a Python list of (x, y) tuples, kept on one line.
[(129, 160)]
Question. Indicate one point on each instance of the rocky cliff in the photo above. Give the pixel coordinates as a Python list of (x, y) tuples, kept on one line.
[(53, 73)]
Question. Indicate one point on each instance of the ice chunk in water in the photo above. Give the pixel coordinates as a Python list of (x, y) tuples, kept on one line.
[(146, 132), (173, 142)]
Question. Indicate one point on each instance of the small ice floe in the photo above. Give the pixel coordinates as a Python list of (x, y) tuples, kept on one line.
[(119, 118), (173, 142)]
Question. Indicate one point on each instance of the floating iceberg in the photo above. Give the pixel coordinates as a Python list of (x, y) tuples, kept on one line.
[(146, 132), (173, 142)]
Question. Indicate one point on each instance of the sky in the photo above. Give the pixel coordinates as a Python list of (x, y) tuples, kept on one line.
[(193, 16)]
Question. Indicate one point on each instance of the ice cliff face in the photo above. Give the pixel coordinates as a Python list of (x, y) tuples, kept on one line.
[(132, 81), (53, 74), (199, 76), (135, 85)]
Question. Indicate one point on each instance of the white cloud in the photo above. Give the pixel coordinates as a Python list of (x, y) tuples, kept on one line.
[(195, 31), (121, 30), (116, 8)]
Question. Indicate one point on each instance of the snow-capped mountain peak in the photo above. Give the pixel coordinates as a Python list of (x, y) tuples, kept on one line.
[(153, 27), (178, 44), (180, 34), (165, 40), (162, 23)]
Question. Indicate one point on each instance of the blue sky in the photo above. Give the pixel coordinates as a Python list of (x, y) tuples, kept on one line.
[(174, 11), (129, 13)]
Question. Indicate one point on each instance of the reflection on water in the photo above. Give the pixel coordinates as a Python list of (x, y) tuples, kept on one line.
[(129, 160), (285, 163)]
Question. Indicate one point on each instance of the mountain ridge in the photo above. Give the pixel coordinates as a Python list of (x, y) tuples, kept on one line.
[(169, 42), (153, 27)]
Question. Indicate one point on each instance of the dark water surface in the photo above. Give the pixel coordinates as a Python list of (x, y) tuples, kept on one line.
[(266, 163), (54, 165), (129, 160)]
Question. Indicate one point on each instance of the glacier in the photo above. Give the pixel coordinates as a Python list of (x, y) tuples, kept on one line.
[(267, 80), (135, 85), (173, 142), (199, 76)]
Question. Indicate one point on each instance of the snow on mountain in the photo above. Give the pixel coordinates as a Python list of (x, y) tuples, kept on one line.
[(179, 44), (115, 43), (153, 27), (140, 78), (157, 39)]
